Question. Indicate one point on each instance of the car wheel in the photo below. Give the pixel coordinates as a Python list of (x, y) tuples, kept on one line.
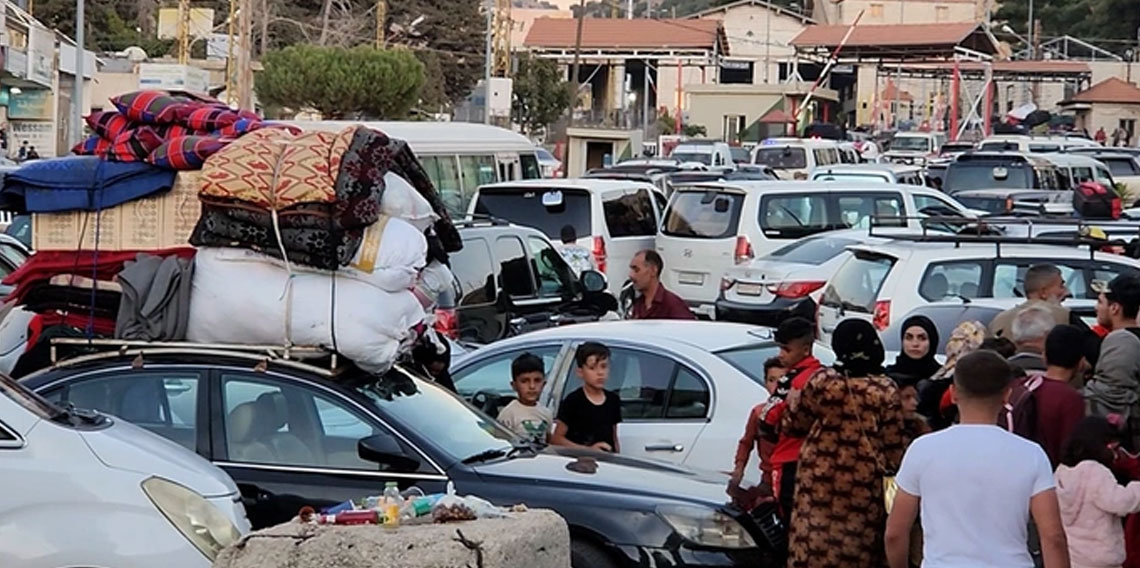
[(585, 554)]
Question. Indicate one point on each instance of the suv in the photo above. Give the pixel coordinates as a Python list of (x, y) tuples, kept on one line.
[(1000, 170), (711, 227), (510, 279), (294, 434), (615, 219), (894, 278), (880, 172), (914, 147)]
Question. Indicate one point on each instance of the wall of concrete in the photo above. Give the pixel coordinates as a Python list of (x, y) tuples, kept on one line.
[(754, 32)]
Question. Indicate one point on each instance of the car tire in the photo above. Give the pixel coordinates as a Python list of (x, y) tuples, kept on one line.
[(585, 554)]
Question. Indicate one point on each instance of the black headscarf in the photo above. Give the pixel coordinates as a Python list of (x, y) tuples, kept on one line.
[(907, 369), (427, 352), (858, 350)]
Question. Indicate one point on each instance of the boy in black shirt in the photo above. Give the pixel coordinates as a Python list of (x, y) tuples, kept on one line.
[(589, 416)]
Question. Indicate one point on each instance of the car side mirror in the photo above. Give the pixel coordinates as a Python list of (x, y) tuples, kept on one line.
[(593, 281), (385, 450)]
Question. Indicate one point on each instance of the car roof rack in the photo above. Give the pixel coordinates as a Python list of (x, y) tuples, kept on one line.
[(287, 355), (473, 219), (975, 231)]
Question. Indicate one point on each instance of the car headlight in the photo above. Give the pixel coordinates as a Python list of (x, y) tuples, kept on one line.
[(706, 527), (197, 519)]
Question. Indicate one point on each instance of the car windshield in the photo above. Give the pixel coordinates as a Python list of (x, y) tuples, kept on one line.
[(813, 251), (437, 415), (782, 158), (911, 143), (740, 155), (964, 176), (700, 157), (545, 209), (544, 155), (33, 402), (703, 214)]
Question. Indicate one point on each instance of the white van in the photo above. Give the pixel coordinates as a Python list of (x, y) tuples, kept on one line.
[(1073, 169), (710, 227), (914, 147), (614, 219), (711, 153), (458, 157), (795, 158), (885, 173), (1033, 144)]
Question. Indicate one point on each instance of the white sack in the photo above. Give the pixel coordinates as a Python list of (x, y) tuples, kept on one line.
[(390, 257), (402, 201), (244, 302), (435, 279)]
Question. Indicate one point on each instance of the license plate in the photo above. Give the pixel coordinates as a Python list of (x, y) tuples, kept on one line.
[(749, 289), (692, 278)]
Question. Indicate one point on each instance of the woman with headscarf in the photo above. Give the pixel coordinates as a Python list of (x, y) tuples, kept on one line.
[(919, 345), (852, 422), (933, 402)]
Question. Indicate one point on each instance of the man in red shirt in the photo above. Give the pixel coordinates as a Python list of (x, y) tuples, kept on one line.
[(753, 439), (796, 337), (654, 301), (1059, 406)]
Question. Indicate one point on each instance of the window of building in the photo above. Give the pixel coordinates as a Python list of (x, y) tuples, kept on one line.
[(941, 13), (877, 11)]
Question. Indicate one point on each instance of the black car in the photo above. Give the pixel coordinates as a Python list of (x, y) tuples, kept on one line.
[(289, 436), (510, 279)]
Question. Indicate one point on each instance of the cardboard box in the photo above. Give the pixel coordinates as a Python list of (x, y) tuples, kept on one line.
[(146, 224)]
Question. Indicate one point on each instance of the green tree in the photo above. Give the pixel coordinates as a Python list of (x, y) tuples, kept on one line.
[(666, 124), (540, 93), (1110, 24), (361, 82), (451, 29)]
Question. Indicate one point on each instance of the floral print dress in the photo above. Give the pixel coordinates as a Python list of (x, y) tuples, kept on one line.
[(853, 433)]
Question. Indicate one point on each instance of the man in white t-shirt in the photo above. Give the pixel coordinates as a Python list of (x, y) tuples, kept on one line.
[(976, 484)]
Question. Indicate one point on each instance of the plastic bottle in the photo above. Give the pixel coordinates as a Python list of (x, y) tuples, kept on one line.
[(392, 504)]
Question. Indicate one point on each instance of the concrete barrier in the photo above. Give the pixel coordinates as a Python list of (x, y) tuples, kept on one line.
[(534, 539)]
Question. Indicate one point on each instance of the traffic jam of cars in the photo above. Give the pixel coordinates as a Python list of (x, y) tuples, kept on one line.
[(595, 346)]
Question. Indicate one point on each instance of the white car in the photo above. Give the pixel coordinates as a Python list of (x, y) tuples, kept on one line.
[(711, 227), (914, 147), (882, 282), (85, 489), (794, 158), (551, 166), (612, 218), (686, 388), (710, 153), (883, 172)]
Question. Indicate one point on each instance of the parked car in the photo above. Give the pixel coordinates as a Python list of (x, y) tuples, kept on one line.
[(1078, 168), (21, 229), (712, 153), (795, 158), (551, 166), (952, 149), (947, 315), (711, 227), (686, 388), (881, 172), (86, 489), (511, 279), (614, 219), (740, 155), (1125, 168), (291, 437), (914, 147), (880, 283), (1034, 144), (1004, 170)]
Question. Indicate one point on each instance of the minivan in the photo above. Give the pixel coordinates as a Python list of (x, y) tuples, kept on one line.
[(1000, 170), (795, 158), (613, 218), (710, 227)]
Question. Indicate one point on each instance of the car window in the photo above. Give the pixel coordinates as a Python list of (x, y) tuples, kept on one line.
[(629, 215), (1044, 148), (641, 379), (163, 402), (493, 375), (781, 158), (856, 285), (925, 202), (689, 396), (530, 166), (443, 171), (812, 251), (268, 421), (473, 267), (1103, 272), (703, 215), (962, 176), (959, 279), (794, 215), (1120, 166), (554, 275), (1009, 278), (515, 277), (525, 206), (476, 171), (750, 360), (945, 318), (856, 211), (1081, 174), (661, 201)]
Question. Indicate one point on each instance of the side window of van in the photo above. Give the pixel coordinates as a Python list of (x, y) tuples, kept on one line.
[(444, 174), (630, 215), (856, 211), (794, 215)]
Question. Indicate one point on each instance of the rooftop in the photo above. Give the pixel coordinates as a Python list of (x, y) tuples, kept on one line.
[(1111, 90), (909, 40), (628, 34)]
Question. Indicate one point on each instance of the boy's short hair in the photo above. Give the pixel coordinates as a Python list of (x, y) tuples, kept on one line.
[(527, 363), (591, 349), (1001, 345), (1125, 290), (772, 363), (982, 374), (1065, 346), (794, 329)]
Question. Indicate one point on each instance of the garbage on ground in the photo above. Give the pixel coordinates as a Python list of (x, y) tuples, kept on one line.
[(394, 507)]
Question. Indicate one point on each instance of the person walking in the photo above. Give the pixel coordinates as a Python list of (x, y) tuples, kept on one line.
[(1057, 406), (852, 421), (934, 401), (1030, 328), (653, 300), (577, 256), (1101, 137), (1115, 386), (916, 361)]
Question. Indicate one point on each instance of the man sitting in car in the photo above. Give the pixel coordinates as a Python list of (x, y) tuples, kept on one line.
[(653, 300)]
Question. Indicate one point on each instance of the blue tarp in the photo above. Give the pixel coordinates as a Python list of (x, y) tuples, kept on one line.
[(80, 183)]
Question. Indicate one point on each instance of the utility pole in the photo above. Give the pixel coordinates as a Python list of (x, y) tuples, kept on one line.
[(489, 6), (245, 69), (381, 16), (183, 31), (572, 85), (77, 93), (1029, 30), (231, 67)]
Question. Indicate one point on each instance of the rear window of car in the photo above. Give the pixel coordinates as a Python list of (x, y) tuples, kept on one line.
[(791, 216), (523, 206), (812, 251), (703, 214), (964, 176), (629, 214), (781, 158), (959, 279), (847, 176), (999, 146), (856, 285), (1120, 166)]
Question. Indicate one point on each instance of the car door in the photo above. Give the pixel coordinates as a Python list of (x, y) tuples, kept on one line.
[(665, 403), (486, 383), (289, 443), (478, 318)]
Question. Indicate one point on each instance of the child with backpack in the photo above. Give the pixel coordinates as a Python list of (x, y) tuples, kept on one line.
[(1092, 502)]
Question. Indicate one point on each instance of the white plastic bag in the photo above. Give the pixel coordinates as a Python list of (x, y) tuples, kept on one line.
[(452, 507), (402, 201), (246, 302)]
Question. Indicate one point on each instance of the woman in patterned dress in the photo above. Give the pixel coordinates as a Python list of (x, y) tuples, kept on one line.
[(852, 420)]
